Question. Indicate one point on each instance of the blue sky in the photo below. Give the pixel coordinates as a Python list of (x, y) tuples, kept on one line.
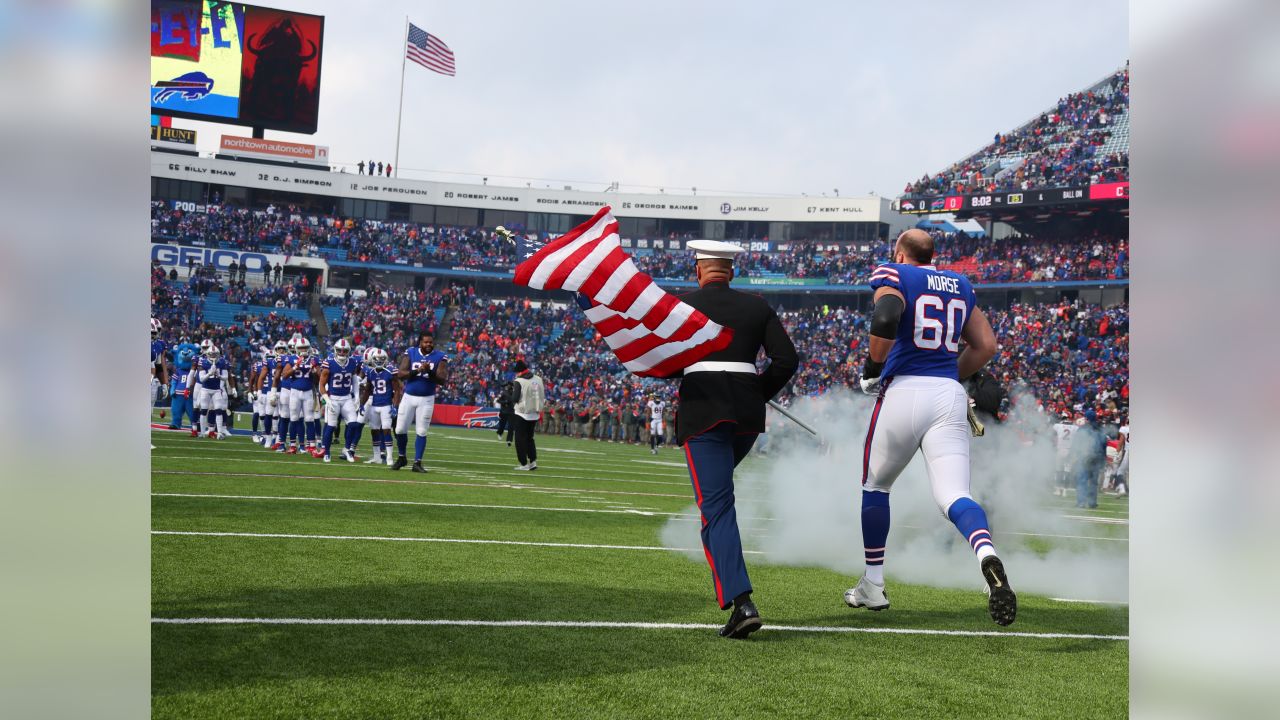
[(803, 97)]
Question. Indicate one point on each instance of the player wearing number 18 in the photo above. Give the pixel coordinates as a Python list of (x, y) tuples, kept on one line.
[(914, 365)]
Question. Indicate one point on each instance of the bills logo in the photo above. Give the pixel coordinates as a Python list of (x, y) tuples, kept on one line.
[(191, 86), (482, 418), (937, 204)]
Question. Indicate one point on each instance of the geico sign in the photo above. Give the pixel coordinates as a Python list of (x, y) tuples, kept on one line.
[(221, 259)]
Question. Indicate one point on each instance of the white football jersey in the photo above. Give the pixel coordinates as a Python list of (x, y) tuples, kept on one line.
[(1063, 432), (655, 408)]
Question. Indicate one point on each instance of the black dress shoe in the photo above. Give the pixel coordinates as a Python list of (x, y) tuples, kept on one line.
[(744, 621), (400, 462), (417, 466)]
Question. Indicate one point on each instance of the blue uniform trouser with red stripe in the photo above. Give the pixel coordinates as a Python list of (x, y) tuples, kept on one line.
[(712, 456)]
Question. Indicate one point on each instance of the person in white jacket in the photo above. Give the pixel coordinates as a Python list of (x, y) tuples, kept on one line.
[(530, 399)]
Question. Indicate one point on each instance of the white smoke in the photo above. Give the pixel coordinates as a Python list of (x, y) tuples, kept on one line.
[(801, 505)]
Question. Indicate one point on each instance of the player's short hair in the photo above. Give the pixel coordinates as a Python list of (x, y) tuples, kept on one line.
[(426, 335), (917, 244)]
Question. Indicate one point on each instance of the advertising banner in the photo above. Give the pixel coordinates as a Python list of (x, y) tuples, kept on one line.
[(274, 149), (180, 136), (472, 416), (1109, 191), (253, 262)]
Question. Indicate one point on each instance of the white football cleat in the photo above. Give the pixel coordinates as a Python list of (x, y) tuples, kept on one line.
[(522, 467), (257, 439), (348, 455), (326, 459), (868, 595), (375, 460)]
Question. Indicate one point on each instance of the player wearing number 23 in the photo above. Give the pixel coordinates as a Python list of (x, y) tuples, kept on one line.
[(914, 366)]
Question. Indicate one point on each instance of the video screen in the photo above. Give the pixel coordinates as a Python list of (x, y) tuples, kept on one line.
[(235, 63)]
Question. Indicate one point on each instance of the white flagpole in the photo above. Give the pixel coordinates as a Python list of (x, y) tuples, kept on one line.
[(404, 54)]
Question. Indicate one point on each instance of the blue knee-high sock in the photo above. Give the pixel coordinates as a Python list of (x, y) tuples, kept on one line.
[(875, 531), (310, 427), (266, 424), (353, 434), (970, 519), (419, 447), (295, 431), (402, 442), (328, 438), (255, 423)]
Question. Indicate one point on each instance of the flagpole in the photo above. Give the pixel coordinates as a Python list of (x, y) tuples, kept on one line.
[(404, 54)]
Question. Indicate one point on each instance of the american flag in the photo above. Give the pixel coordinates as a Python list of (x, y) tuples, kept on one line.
[(429, 51), (651, 331)]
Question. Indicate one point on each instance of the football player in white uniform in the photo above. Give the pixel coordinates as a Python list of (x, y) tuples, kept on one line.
[(215, 381), (657, 426), (1062, 432), (277, 406), (199, 395)]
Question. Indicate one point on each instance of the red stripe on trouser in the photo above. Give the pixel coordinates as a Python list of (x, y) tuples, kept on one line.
[(871, 431), (697, 489)]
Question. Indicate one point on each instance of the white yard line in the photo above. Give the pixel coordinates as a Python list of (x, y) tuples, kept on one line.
[(431, 465), (396, 481), (1097, 520), (459, 541), (621, 625), (1092, 602), (624, 511)]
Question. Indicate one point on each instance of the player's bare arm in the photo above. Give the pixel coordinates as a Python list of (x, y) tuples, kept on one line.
[(980, 344), (441, 374), (404, 371)]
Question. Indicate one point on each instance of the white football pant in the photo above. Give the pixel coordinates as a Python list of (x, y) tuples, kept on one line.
[(378, 417), (929, 414), (302, 405), (340, 406), (416, 409), (656, 427)]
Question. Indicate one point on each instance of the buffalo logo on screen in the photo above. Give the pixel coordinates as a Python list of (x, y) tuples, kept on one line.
[(480, 418), (192, 86), (937, 204), (725, 208)]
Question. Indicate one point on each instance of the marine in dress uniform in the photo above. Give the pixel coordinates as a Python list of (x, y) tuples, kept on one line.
[(722, 410)]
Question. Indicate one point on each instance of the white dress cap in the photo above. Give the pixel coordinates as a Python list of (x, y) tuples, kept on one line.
[(712, 249)]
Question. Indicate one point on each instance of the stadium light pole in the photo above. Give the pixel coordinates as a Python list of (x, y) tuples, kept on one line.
[(400, 112)]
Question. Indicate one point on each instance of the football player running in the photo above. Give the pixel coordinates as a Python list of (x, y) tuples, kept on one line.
[(422, 370), (379, 397), (338, 383), (914, 366)]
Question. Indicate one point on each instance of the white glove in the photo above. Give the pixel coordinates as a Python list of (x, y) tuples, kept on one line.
[(235, 392), (870, 386), (273, 399)]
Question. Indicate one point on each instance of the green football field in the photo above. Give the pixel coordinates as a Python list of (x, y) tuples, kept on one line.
[(283, 587)]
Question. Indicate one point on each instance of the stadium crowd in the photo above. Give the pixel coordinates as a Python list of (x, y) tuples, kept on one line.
[(406, 243), (1059, 148)]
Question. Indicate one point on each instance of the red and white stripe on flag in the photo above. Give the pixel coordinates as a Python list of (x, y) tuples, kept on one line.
[(651, 331)]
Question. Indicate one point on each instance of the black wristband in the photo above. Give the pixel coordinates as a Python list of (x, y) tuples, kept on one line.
[(872, 369)]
